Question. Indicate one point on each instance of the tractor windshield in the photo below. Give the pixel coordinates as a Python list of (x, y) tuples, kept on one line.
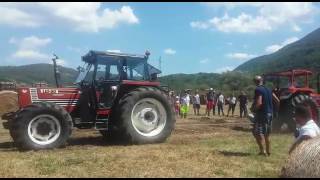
[(277, 82), (286, 82), (83, 72), (123, 69)]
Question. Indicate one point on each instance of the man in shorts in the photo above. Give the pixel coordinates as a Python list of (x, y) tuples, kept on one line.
[(232, 105), (196, 103), (243, 101), (262, 107), (220, 102)]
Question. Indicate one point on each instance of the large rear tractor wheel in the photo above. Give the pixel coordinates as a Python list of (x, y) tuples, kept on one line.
[(145, 116), (287, 114), (41, 125)]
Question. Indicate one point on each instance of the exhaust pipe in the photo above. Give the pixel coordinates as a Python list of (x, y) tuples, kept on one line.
[(56, 71), (318, 83)]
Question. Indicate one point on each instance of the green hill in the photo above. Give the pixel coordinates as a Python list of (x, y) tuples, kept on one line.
[(34, 73), (304, 53)]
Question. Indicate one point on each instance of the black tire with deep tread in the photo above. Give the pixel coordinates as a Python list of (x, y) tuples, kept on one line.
[(125, 130), (287, 114), (19, 125)]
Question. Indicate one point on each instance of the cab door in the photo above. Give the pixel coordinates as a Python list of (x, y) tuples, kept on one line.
[(107, 82)]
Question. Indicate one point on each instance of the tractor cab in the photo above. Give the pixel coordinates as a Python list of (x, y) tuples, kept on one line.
[(287, 83), (108, 75), (105, 72)]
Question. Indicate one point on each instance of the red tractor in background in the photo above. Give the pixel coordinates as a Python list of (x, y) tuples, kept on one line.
[(117, 94), (293, 88)]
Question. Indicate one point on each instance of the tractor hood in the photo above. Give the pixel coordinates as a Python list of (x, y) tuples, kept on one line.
[(65, 97)]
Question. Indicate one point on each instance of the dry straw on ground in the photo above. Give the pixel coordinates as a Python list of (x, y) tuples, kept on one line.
[(304, 161)]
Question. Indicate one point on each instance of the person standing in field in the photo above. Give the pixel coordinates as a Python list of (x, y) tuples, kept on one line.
[(232, 104), (185, 103), (262, 108), (196, 103), (177, 105), (210, 101), (214, 103), (220, 102), (243, 102)]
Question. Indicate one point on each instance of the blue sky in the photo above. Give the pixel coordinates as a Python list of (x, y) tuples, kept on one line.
[(189, 37)]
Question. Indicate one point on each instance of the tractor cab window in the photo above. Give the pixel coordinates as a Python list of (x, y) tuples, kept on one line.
[(274, 82), (300, 82), (135, 70), (85, 73), (107, 71)]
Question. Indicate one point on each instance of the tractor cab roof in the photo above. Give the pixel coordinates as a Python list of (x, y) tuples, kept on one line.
[(292, 72), (107, 56), (93, 56)]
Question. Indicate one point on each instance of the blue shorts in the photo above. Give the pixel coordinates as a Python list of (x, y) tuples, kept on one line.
[(262, 125)]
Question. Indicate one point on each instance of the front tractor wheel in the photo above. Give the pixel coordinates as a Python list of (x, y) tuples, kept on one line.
[(41, 126), (145, 116)]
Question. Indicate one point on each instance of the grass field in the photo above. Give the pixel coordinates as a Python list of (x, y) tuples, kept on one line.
[(199, 147)]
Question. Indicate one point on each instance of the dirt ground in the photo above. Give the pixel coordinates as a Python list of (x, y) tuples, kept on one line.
[(199, 147)]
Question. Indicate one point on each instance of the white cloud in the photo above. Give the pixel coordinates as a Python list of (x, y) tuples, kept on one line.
[(243, 23), (74, 49), (31, 42), (240, 56), (231, 5), (296, 28), (224, 69), (276, 47), (269, 17), (30, 55), (204, 61), (28, 48), (114, 51), (62, 62), (81, 16), (169, 51), (16, 18), (199, 25)]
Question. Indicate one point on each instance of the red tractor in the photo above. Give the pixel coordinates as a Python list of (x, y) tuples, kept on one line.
[(117, 94), (293, 88)]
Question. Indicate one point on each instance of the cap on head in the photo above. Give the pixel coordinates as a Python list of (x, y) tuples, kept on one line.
[(211, 89)]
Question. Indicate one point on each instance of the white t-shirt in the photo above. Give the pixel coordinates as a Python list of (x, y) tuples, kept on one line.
[(310, 129), (221, 99), (197, 99), (233, 100), (186, 100)]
